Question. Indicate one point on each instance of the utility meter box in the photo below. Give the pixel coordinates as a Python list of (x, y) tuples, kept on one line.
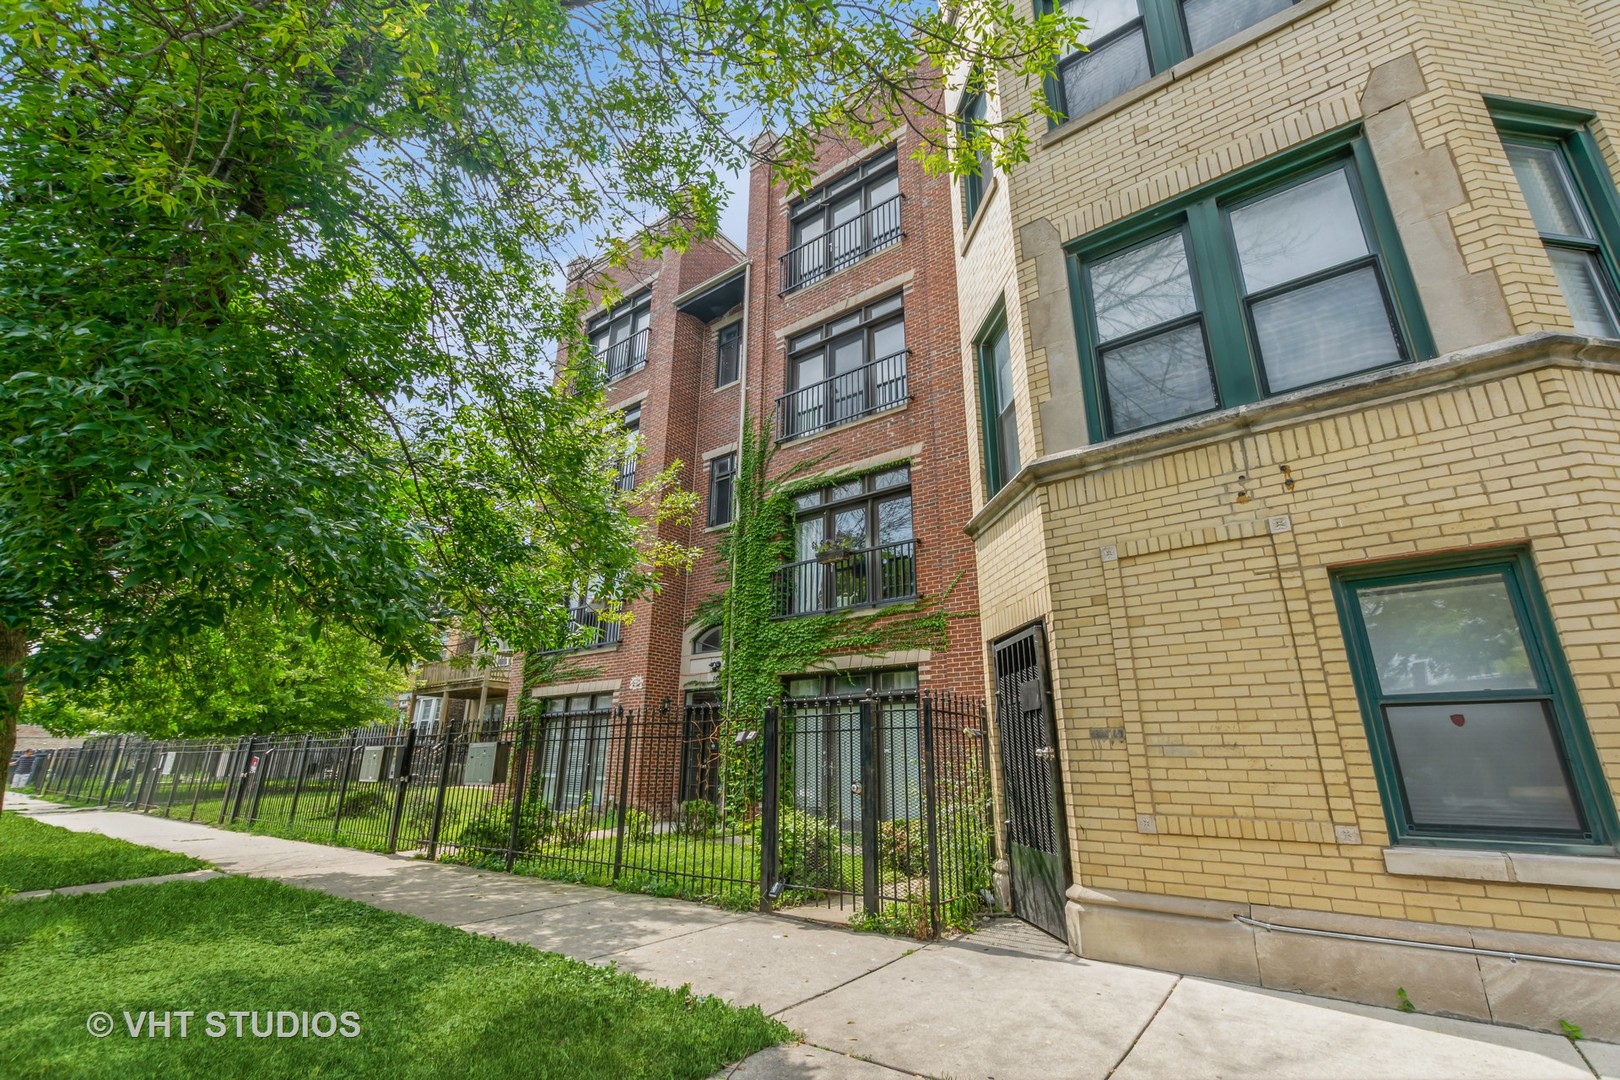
[(486, 763), (168, 764), (371, 764)]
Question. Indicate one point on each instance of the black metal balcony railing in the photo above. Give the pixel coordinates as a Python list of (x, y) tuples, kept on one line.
[(879, 575), (843, 246), (590, 618), (627, 476), (870, 388), (623, 357)]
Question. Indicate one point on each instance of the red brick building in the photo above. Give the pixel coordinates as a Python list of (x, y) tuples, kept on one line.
[(839, 324)]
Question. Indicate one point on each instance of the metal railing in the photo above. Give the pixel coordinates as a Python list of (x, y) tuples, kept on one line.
[(845, 245), (589, 617), (879, 801), (870, 388), (880, 575), (627, 476), (621, 358)]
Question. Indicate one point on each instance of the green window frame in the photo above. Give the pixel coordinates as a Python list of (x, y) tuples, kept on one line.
[(1438, 642), (1127, 42), (973, 114), (1224, 308), (1571, 197), (997, 407)]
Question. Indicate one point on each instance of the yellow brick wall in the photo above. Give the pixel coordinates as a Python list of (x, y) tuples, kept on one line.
[(1179, 614)]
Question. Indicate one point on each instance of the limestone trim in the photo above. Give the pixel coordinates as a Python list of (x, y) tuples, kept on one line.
[(832, 311), (979, 214), (1466, 367), (591, 686), (1568, 871)]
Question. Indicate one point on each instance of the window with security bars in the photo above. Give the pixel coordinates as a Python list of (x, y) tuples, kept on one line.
[(1564, 218), (1476, 731), (1126, 42), (571, 766), (1242, 292), (822, 714)]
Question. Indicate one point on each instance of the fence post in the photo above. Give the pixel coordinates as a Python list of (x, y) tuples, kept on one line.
[(402, 785), (112, 767), (298, 784), (931, 809), (983, 786), (624, 794), (343, 781), (174, 781), (869, 805), (770, 806), (197, 784), (518, 779), (233, 775), (444, 786), (244, 774), (261, 776)]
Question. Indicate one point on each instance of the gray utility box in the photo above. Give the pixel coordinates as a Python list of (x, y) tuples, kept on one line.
[(486, 763), (372, 761)]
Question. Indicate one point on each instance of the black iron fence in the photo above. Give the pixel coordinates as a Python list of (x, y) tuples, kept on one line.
[(878, 804)]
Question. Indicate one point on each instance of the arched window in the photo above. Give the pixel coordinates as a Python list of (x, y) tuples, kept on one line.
[(706, 642)]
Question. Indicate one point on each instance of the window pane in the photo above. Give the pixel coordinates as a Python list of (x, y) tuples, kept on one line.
[(894, 520), (1213, 21), (1160, 379), (847, 490), (1494, 765), (1142, 287), (1007, 434), (883, 190), (1298, 231), (1324, 331), (851, 526), (888, 340), (1102, 17), (1580, 278), (1545, 181), (1095, 78), (1446, 637), (893, 478)]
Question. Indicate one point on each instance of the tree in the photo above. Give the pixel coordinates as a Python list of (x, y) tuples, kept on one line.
[(279, 280), (262, 670)]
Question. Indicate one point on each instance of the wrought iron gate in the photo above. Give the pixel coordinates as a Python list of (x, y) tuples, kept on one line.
[(1037, 848)]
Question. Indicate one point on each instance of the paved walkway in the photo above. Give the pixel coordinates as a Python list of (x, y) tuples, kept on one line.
[(1005, 1003)]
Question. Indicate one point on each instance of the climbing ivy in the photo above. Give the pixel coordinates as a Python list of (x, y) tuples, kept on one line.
[(758, 650)]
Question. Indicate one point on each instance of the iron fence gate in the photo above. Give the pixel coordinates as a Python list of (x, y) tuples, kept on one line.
[(877, 801)]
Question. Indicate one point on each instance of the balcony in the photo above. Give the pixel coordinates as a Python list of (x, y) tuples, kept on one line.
[(589, 618), (880, 575), (844, 245), (868, 389), (464, 669), (623, 357)]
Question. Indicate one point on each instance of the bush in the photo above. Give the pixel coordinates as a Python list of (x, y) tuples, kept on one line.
[(699, 818), (572, 826), (364, 802), (903, 847), (637, 826), (811, 851), (492, 828)]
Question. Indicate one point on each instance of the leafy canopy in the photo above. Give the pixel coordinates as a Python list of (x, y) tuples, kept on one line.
[(279, 281)]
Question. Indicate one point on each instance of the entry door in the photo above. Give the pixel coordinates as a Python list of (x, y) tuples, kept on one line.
[(1036, 846)]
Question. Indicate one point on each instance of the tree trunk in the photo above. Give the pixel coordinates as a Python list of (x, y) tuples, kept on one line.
[(13, 652)]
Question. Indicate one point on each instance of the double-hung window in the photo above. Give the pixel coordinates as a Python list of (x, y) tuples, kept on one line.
[(853, 546), (842, 222), (974, 184), (1258, 285), (845, 369), (722, 482), (1476, 732), (1000, 419), (1126, 42), (619, 337), (727, 354), (1572, 202)]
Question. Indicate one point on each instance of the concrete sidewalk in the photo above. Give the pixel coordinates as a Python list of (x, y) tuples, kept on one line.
[(1005, 1003)]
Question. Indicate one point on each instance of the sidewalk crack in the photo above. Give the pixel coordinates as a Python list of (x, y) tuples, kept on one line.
[(1131, 1048), (846, 982)]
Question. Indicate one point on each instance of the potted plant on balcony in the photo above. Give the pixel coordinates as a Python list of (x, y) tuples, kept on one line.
[(836, 548)]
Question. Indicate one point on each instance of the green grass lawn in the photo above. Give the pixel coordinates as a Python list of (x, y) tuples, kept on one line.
[(34, 855), (431, 1000)]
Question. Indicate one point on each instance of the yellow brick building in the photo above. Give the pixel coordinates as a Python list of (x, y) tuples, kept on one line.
[(1296, 361)]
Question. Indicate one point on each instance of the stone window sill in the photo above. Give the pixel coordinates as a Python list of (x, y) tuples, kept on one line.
[(1568, 871)]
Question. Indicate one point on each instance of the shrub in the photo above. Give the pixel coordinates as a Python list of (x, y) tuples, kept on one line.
[(492, 828), (699, 818), (572, 826), (637, 826), (363, 802), (811, 851), (903, 847)]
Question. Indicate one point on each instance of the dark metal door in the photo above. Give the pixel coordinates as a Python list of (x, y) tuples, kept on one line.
[(1037, 848)]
